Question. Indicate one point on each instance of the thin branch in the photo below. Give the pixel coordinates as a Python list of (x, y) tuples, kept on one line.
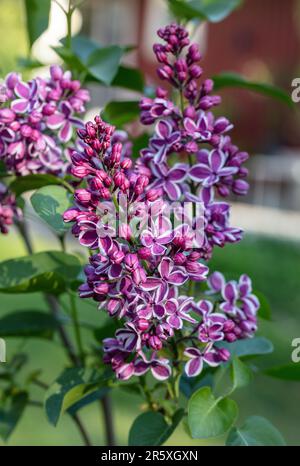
[(108, 421), (82, 430), (60, 6)]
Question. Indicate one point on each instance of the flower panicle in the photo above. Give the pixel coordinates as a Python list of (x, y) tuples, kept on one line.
[(38, 121)]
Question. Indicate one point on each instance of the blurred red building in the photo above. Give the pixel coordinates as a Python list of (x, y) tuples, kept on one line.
[(260, 40)]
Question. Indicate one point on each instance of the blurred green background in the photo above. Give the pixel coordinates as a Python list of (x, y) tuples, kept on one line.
[(273, 264)]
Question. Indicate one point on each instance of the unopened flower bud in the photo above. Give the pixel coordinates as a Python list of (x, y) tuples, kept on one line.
[(179, 258), (142, 325), (56, 72), (152, 195), (126, 164), (165, 72), (104, 193), (83, 196), (155, 343), (195, 71), (101, 288), (70, 215)]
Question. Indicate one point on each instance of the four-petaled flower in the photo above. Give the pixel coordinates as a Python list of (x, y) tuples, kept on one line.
[(165, 137), (170, 180), (212, 168), (159, 367), (157, 237), (199, 129), (64, 120), (197, 357), (239, 299)]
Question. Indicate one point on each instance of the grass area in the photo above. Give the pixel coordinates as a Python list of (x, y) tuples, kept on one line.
[(274, 266)]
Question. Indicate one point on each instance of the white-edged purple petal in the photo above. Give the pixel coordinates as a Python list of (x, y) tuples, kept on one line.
[(199, 172), (194, 367), (216, 160), (161, 371), (172, 190)]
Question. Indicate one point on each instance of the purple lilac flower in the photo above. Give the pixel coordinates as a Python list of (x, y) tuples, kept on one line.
[(169, 179), (210, 172), (142, 279), (211, 356), (39, 116), (163, 140), (8, 209)]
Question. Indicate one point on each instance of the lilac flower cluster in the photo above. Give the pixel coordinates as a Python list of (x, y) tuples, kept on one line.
[(190, 127), (8, 209), (139, 263), (38, 121)]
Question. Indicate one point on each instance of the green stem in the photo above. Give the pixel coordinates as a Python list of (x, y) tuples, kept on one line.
[(69, 14), (108, 421), (191, 288), (146, 392), (76, 324), (181, 101), (75, 417)]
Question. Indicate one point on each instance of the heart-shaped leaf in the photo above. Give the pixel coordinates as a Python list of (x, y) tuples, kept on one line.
[(50, 202), (209, 416), (255, 432), (151, 429)]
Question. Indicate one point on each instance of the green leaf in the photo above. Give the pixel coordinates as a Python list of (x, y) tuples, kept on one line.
[(188, 385), (210, 10), (70, 59), (240, 373), (129, 78), (30, 182), (104, 62), (100, 64), (50, 202), (209, 416), (151, 429), (28, 323), (11, 410), (87, 399), (230, 79), (285, 372), (120, 113), (256, 431), (29, 63), (37, 17), (44, 271), (73, 385), (248, 347), (83, 47), (264, 311)]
